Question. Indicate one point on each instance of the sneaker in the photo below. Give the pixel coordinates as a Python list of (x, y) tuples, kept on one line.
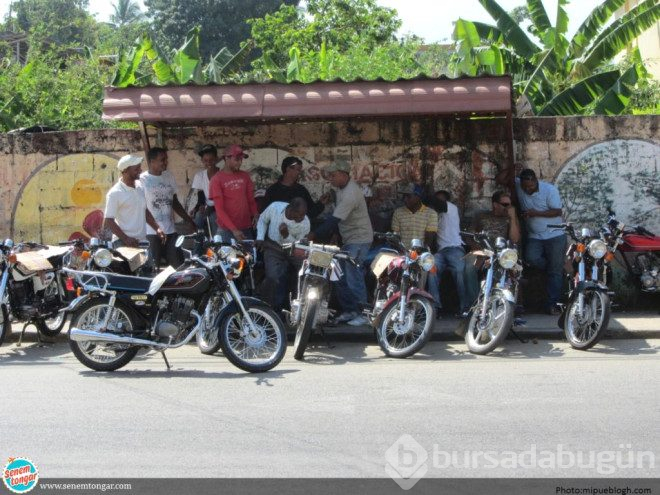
[(554, 310), (359, 321), (346, 317)]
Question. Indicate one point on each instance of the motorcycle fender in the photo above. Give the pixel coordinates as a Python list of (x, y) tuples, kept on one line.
[(585, 286), (75, 304), (395, 297), (232, 307), (508, 295)]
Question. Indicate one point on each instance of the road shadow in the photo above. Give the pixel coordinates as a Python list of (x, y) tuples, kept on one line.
[(260, 379), (632, 347)]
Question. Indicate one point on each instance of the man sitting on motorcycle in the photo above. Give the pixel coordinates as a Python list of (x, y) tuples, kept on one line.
[(280, 223)]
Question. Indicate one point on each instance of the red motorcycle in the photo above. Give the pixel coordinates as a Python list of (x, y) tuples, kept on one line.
[(639, 251)]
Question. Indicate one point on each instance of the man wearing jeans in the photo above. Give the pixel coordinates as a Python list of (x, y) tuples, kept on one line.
[(541, 206), (352, 218), (450, 252)]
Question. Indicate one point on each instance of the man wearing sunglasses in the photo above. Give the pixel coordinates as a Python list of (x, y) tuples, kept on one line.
[(501, 220)]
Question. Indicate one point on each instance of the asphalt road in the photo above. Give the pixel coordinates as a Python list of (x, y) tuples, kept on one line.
[(337, 413)]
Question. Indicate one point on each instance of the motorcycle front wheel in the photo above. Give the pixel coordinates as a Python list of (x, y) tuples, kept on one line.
[(485, 334), (401, 340), (4, 322), (584, 331), (253, 349), (305, 328), (103, 356)]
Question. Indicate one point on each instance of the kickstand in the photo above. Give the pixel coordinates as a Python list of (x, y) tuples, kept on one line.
[(167, 363), (327, 341), (20, 339), (518, 336)]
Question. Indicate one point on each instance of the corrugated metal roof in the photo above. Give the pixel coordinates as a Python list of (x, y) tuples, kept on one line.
[(193, 104)]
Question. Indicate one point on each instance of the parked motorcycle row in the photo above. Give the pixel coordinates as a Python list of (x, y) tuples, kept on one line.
[(118, 308)]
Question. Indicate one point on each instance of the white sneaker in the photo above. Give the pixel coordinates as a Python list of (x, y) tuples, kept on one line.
[(346, 317), (359, 321)]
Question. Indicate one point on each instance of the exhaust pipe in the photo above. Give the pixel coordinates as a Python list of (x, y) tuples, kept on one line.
[(89, 336), (80, 335)]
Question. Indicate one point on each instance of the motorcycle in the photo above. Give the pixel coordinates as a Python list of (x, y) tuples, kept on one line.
[(403, 312), (587, 313), (492, 316), (639, 252), (103, 256), (33, 287), (309, 309), (118, 315)]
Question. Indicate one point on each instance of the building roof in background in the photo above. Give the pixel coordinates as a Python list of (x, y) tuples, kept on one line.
[(268, 102)]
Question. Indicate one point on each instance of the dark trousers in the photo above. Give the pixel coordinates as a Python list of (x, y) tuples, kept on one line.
[(168, 249), (548, 255), (278, 267)]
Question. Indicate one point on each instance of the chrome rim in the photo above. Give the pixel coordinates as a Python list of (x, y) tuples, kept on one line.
[(119, 322), (483, 330), (583, 328), (56, 322), (400, 337), (258, 345)]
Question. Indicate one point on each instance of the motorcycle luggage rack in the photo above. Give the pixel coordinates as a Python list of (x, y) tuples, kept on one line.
[(89, 281)]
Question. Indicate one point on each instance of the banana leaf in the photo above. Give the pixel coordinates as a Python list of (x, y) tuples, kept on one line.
[(615, 100), (511, 31), (575, 99), (539, 15), (186, 62), (293, 69), (621, 33), (488, 32), (592, 25)]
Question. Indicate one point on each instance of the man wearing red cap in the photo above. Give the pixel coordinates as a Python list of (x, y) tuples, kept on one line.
[(232, 192)]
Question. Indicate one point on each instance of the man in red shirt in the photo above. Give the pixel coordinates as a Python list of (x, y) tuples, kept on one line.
[(232, 192)]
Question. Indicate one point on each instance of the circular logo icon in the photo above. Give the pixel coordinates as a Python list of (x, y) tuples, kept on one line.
[(20, 475)]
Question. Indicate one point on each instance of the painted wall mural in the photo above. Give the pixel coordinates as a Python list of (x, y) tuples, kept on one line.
[(64, 197), (623, 174)]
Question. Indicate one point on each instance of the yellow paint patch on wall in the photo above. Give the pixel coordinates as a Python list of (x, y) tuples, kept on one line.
[(61, 194), (86, 192)]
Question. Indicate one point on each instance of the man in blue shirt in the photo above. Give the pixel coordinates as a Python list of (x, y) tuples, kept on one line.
[(540, 205)]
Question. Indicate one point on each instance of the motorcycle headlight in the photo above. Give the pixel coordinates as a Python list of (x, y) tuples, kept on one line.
[(237, 265), (597, 249), (228, 253), (102, 258), (508, 258), (426, 261)]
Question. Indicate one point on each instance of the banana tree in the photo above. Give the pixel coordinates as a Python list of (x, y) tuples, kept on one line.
[(183, 66), (559, 76)]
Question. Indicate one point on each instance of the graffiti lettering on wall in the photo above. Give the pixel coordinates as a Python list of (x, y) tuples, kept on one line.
[(64, 197), (621, 174)]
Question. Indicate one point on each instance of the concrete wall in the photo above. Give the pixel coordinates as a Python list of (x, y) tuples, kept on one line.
[(54, 184)]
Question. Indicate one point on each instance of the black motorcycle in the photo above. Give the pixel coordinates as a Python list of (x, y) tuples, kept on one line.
[(120, 314), (33, 287)]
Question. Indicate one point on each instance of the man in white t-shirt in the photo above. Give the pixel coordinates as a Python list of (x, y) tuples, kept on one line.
[(126, 214), (450, 254), (280, 223), (204, 210), (160, 193)]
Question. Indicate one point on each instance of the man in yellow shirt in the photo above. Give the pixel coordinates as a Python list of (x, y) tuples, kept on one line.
[(414, 220)]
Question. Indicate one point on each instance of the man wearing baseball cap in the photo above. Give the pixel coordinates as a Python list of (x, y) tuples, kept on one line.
[(126, 213), (232, 192), (352, 218)]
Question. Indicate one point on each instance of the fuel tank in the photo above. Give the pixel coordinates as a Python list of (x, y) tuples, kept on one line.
[(191, 281), (639, 243)]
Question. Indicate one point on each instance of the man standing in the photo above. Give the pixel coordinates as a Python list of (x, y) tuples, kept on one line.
[(288, 187), (160, 192), (232, 192), (126, 214), (541, 206), (280, 223), (415, 220), (352, 217), (204, 209), (450, 251)]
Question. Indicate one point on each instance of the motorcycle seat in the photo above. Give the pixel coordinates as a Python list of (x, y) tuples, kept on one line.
[(125, 283)]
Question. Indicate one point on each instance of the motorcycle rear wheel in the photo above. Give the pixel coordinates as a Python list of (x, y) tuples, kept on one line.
[(402, 342), (50, 327), (257, 351), (484, 337), (5, 324), (584, 332), (305, 328), (103, 356)]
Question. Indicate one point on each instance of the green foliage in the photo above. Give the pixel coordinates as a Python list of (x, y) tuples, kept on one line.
[(558, 75), (222, 22), (342, 24), (126, 12)]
